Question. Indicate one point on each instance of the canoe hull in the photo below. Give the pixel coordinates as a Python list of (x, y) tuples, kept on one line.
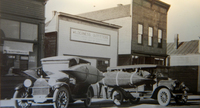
[(124, 79)]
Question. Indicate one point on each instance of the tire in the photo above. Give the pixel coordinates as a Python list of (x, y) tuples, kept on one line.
[(61, 98), (164, 97), (117, 97), (134, 100), (88, 100), (21, 94), (181, 99)]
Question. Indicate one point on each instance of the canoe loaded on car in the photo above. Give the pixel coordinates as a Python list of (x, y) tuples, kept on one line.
[(59, 81), (142, 81)]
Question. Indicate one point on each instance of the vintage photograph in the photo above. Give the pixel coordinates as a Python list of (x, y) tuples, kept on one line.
[(99, 53)]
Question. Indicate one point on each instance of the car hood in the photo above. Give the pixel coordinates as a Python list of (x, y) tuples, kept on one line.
[(31, 73)]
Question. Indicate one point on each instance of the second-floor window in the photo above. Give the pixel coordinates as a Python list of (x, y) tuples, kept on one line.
[(140, 32), (19, 30), (150, 36), (159, 38)]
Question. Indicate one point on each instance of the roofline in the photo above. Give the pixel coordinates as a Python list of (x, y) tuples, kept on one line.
[(160, 3), (89, 20)]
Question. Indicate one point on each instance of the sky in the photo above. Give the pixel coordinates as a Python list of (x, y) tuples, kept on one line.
[(183, 15)]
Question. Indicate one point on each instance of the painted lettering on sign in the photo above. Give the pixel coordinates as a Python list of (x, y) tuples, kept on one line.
[(90, 37)]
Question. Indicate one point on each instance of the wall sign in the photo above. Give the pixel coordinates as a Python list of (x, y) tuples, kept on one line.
[(90, 37)]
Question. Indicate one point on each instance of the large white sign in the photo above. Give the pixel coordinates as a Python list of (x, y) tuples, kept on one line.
[(90, 37)]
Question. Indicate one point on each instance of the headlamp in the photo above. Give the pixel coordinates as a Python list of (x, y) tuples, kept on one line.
[(174, 84), (27, 83)]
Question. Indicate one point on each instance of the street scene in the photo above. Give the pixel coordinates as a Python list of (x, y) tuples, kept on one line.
[(99, 54)]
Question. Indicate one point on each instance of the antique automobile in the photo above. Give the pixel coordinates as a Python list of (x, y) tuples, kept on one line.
[(58, 82), (137, 82)]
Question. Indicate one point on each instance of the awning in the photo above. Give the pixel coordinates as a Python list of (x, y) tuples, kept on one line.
[(11, 47)]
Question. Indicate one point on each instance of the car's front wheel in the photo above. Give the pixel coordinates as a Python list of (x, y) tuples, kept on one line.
[(164, 97), (61, 98), (21, 103)]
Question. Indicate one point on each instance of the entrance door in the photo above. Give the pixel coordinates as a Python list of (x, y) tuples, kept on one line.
[(50, 43)]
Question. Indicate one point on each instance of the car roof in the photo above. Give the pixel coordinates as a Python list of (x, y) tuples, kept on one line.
[(133, 66)]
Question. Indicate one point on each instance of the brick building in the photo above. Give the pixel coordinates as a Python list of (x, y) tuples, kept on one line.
[(22, 31), (142, 38)]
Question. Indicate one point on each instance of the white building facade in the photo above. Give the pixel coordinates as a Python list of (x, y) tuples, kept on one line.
[(70, 35)]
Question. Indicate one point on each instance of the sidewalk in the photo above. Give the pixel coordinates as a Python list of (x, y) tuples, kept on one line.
[(193, 97)]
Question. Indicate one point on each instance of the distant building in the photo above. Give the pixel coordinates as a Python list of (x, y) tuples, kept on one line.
[(142, 38), (21, 33), (184, 60), (72, 35)]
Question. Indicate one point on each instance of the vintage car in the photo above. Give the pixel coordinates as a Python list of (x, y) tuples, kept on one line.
[(137, 82), (58, 82)]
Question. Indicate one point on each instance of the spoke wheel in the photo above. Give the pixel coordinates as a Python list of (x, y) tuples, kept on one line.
[(164, 97), (134, 100), (182, 99), (19, 103), (88, 100), (61, 98), (117, 97)]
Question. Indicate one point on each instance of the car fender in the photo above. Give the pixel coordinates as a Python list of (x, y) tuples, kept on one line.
[(19, 86), (60, 84), (166, 83)]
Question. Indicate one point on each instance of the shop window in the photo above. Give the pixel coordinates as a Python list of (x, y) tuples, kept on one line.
[(29, 31), (140, 33), (160, 61), (10, 28), (138, 60), (102, 65), (150, 36), (159, 38)]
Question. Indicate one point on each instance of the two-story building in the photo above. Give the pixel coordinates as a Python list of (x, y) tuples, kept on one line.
[(22, 30), (142, 38)]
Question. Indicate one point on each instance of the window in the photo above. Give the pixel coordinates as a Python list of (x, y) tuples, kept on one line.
[(150, 36), (10, 28), (29, 31), (19, 30), (159, 38), (102, 65), (140, 32)]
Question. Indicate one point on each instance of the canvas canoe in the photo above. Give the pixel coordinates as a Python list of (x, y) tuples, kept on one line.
[(124, 79)]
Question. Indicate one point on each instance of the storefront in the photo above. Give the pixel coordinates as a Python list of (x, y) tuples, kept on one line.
[(19, 46), (21, 34), (70, 35)]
